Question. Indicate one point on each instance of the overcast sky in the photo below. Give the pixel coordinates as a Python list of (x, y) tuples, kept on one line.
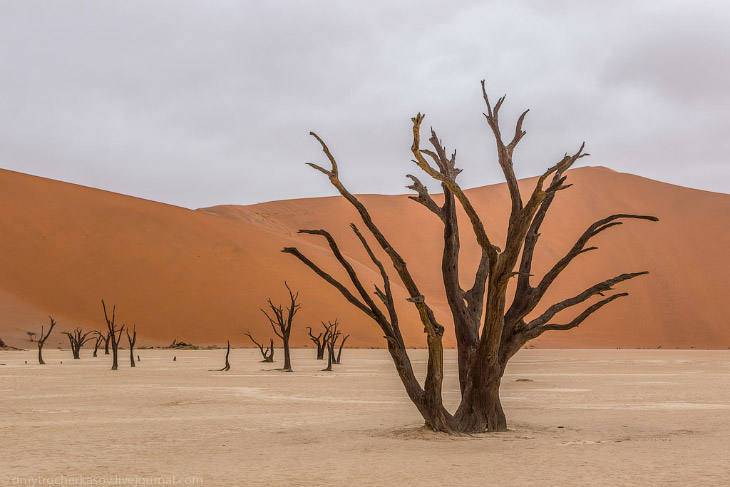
[(198, 103)]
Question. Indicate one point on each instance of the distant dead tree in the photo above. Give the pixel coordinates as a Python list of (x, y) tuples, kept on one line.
[(132, 340), (114, 334), (266, 352), (98, 338), (281, 322), (488, 332), (331, 335), (42, 340), (31, 335), (227, 367), (76, 339), (319, 342)]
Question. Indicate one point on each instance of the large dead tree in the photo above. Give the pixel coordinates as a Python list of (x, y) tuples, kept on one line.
[(42, 340), (266, 352), (132, 339), (114, 334), (76, 339), (281, 322), (318, 341), (488, 333)]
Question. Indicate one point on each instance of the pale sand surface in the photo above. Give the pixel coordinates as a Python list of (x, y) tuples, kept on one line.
[(628, 417)]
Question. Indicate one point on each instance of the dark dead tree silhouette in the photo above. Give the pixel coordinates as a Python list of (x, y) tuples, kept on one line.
[(31, 335), (226, 367), (114, 334), (77, 338), (281, 322), (42, 340), (318, 341), (266, 352), (331, 335), (338, 359), (98, 338), (107, 342), (132, 339), (488, 333)]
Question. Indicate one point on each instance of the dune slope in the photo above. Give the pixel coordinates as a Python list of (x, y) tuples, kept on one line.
[(202, 275)]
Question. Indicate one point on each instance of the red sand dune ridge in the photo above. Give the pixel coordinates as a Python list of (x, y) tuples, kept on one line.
[(201, 275)]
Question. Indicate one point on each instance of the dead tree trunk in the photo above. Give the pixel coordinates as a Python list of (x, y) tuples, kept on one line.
[(132, 340), (107, 342), (42, 340), (266, 352), (488, 333), (97, 341), (227, 367), (339, 352), (330, 353), (113, 334), (281, 322), (319, 342), (76, 339)]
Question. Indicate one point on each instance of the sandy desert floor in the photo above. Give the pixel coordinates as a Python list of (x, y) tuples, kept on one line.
[(583, 417)]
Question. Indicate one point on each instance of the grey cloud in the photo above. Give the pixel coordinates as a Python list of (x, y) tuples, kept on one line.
[(202, 103)]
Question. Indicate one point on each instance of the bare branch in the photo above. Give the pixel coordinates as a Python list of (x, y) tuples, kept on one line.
[(579, 246), (387, 294), (274, 322), (599, 288), (333, 172), (504, 152), (423, 197), (350, 270), (585, 314), (477, 225), (424, 311), (332, 281)]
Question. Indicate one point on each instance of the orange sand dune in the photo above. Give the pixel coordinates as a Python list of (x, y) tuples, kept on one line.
[(201, 276)]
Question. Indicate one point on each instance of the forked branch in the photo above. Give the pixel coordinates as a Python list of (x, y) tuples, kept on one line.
[(597, 289)]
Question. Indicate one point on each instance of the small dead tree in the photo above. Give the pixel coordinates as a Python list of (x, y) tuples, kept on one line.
[(132, 340), (266, 352), (31, 335), (488, 332), (76, 339), (114, 335), (98, 338), (331, 335), (281, 322), (42, 340), (319, 342), (227, 367)]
